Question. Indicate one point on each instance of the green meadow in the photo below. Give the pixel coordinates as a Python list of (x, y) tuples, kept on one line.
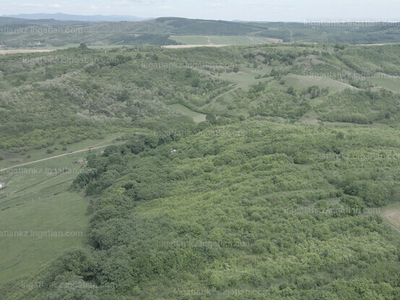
[(40, 217)]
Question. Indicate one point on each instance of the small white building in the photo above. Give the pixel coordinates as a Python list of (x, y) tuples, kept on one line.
[(1, 185)]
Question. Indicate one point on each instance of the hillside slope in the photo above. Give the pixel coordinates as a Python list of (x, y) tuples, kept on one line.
[(278, 194), (255, 209)]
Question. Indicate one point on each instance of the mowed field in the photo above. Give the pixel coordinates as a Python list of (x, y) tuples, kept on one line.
[(390, 83), (190, 40), (40, 217), (24, 51)]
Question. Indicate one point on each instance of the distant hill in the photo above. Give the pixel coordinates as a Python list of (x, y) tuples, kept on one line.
[(182, 26), (66, 17), (161, 31), (10, 21)]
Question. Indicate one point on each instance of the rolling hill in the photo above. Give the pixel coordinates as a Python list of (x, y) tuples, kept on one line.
[(67, 17), (264, 171)]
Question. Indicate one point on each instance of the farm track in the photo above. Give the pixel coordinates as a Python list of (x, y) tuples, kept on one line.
[(53, 157)]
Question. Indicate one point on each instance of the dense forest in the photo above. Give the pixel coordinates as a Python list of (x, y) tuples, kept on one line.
[(276, 195), (271, 210)]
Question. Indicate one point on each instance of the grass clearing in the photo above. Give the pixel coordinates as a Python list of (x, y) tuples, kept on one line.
[(197, 117), (392, 84), (245, 78)]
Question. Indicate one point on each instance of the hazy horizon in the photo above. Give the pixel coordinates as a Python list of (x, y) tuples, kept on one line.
[(249, 10)]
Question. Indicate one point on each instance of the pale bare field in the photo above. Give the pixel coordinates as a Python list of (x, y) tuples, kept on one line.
[(23, 51)]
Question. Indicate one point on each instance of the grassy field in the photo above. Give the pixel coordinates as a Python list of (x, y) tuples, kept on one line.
[(39, 216), (197, 117), (231, 40), (51, 48), (303, 82), (190, 40)]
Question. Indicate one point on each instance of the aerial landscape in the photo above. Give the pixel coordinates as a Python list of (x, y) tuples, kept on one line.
[(200, 150)]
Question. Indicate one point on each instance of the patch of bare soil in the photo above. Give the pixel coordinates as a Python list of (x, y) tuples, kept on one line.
[(274, 40)]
